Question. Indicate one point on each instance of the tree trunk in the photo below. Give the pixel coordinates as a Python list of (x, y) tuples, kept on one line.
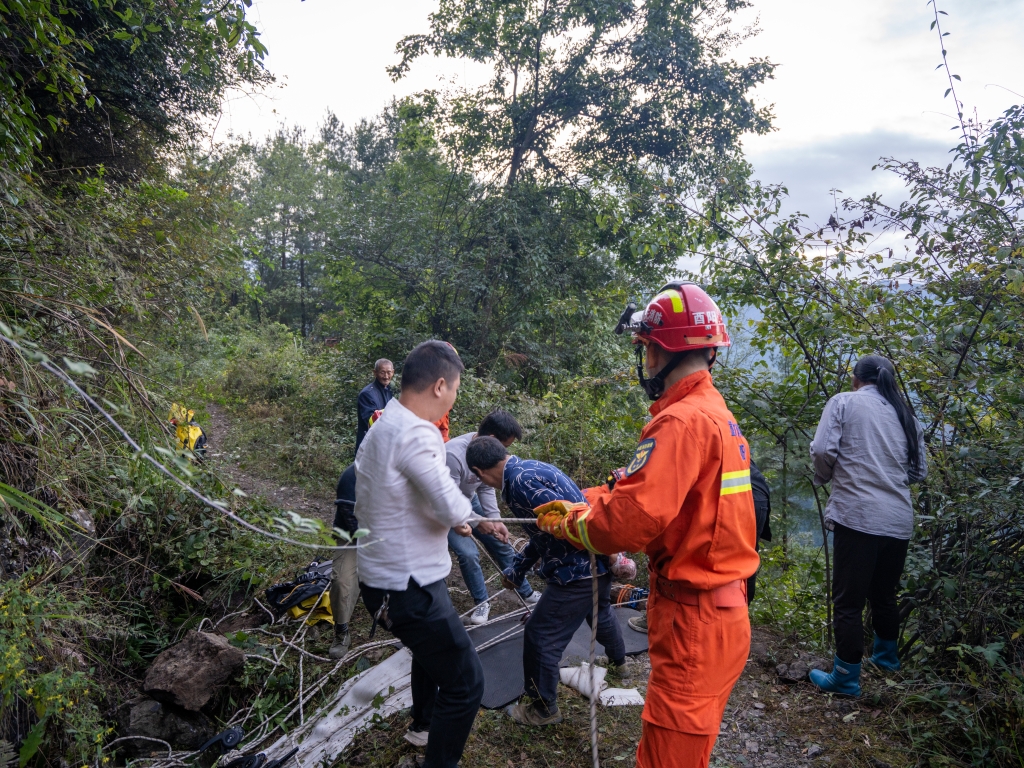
[(302, 293)]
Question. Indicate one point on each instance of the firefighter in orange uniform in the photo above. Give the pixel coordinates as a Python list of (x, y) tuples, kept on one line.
[(685, 500)]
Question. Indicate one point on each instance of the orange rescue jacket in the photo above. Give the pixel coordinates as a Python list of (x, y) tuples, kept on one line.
[(686, 498), (442, 424)]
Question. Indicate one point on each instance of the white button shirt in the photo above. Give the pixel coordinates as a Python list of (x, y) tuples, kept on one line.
[(406, 497)]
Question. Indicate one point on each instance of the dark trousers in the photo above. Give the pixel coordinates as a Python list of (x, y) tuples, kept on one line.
[(867, 567), (447, 679), (552, 624)]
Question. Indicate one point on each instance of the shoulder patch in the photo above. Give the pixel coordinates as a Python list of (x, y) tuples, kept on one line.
[(643, 453)]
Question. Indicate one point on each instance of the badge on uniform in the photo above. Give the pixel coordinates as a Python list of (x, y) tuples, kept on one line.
[(643, 453)]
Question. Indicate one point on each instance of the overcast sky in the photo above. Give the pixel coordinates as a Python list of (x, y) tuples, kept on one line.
[(856, 81)]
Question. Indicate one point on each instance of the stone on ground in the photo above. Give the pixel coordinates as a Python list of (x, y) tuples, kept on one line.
[(156, 720), (189, 673), (797, 670)]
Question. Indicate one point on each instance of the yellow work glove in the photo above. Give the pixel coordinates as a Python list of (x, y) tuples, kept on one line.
[(561, 518)]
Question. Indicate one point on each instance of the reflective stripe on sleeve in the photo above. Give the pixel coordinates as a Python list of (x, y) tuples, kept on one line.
[(735, 482), (581, 528)]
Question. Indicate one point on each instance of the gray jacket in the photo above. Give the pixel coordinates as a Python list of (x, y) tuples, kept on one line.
[(463, 476), (860, 447)]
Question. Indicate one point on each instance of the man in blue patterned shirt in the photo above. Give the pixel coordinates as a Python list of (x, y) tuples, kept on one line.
[(525, 485)]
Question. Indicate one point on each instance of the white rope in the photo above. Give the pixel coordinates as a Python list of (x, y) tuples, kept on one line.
[(483, 549), (593, 654), (593, 636)]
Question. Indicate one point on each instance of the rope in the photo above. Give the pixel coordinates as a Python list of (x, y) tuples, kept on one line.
[(593, 631), (593, 654), (483, 549), (219, 506)]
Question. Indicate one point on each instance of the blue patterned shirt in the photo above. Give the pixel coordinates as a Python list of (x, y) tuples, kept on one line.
[(528, 484)]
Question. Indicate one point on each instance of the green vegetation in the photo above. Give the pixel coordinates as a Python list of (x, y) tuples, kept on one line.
[(514, 221)]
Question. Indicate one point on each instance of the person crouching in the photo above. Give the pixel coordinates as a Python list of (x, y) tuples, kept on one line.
[(526, 484)]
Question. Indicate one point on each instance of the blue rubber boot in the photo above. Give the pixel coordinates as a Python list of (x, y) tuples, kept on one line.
[(844, 678), (884, 655)]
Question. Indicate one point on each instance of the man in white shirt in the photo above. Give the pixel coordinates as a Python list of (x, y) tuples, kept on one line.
[(406, 497)]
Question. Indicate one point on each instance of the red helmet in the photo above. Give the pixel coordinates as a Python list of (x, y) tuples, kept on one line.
[(679, 318)]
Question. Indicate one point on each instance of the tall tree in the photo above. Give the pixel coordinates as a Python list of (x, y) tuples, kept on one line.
[(579, 87), (91, 82), (281, 194)]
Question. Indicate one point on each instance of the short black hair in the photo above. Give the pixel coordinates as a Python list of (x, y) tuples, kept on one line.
[(485, 452), (428, 362), (500, 424)]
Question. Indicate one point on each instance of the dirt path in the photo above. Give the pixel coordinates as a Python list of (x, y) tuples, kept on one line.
[(769, 722), (294, 498)]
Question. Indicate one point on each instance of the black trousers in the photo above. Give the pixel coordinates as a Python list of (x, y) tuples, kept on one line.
[(552, 624), (867, 567), (447, 679)]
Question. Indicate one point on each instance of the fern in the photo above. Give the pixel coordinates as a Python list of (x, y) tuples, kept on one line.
[(8, 755)]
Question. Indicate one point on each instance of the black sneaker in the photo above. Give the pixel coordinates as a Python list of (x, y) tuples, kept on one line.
[(534, 713)]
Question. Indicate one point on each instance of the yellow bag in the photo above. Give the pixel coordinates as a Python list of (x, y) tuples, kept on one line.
[(322, 612), (190, 435)]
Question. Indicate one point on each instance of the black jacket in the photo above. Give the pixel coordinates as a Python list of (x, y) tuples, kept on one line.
[(345, 501), (762, 502), (372, 398)]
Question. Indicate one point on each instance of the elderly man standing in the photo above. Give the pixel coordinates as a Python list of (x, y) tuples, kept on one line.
[(374, 397), (406, 497)]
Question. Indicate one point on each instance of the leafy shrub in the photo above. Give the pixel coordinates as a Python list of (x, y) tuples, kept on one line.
[(43, 696)]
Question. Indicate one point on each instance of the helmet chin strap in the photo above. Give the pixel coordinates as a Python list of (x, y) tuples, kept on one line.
[(655, 386)]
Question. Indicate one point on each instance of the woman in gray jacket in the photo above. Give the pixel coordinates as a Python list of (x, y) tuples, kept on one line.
[(871, 447)]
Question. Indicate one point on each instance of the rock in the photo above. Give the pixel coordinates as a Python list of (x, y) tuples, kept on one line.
[(796, 671), (752, 747), (791, 673), (874, 762), (189, 673), (816, 662), (153, 719), (760, 653), (374, 655), (813, 750)]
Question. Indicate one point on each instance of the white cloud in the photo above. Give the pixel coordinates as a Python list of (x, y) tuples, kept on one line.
[(858, 82), (812, 170), (332, 55)]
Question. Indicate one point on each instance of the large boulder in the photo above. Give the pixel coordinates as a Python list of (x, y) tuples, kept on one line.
[(189, 673), (156, 720)]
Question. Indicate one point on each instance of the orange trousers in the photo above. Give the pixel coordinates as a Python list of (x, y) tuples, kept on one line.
[(697, 654), (662, 747)]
